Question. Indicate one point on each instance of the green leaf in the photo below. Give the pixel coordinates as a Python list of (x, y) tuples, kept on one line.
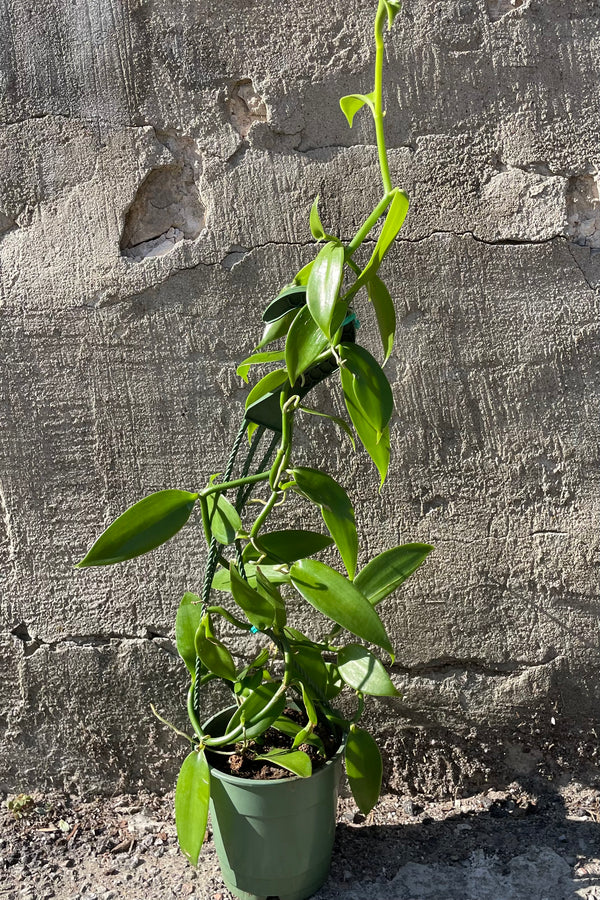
[(304, 273), (289, 545), (361, 669), (339, 422), (389, 570), (310, 669), (323, 288), (393, 7), (224, 519), (213, 654), (256, 359), (258, 609), (144, 526), (385, 313), (191, 804), (258, 711), (266, 385), (222, 580), (290, 298), (316, 228), (277, 329), (392, 225), (377, 444), (351, 103), (292, 729), (337, 598), (271, 593), (335, 684), (370, 386), (336, 510), (363, 768), (189, 616), (295, 761), (305, 343)]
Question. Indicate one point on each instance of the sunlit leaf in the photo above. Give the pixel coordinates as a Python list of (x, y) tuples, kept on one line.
[(376, 444), (278, 329), (370, 386), (393, 222), (258, 609), (336, 510), (338, 599), (144, 526), (389, 570), (316, 228), (191, 804), (189, 616), (224, 519), (393, 7), (295, 761), (361, 669), (256, 359), (291, 298), (266, 385), (291, 544), (385, 313), (258, 711), (304, 273), (323, 287), (304, 345), (214, 655), (363, 768), (351, 104)]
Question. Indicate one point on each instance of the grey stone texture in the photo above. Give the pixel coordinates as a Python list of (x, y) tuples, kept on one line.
[(158, 161)]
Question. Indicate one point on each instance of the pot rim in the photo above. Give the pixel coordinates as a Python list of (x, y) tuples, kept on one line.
[(265, 783)]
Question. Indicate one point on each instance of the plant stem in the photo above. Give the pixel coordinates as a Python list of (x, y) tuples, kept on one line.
[(378, 113), (368, 225)]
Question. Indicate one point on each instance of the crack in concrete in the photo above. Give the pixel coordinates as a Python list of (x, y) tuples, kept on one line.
[(31, 644), (580, 267), (449, 665)]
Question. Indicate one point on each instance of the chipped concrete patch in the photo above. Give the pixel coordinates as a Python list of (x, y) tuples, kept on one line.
[(583, 210)]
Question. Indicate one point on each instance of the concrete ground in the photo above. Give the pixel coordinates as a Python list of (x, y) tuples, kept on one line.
[(513, 844)]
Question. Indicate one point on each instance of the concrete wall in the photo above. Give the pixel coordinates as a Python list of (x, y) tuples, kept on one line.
[(158, 161)]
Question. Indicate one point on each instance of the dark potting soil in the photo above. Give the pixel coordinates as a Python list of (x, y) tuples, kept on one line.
[(243, 762)]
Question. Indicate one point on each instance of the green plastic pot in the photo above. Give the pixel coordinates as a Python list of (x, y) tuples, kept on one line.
[(273, 838)]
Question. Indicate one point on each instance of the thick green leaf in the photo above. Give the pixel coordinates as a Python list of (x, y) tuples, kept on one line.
[(191, 804), (335, 684), (271, 593), (361, 669), (376, 444), (370, 386), (295, 761), (385, 313), (304, 273), (266, 385), (188, 619), (292, 729), (222, 580), (213, 654), (351, 104), (256, 712), (304, 344), (289, 545), (339, 422), (258, 609), (336, 510), (310, 669), (323, 288), (144, 526), (224, 519), (277, 329), (316, 228), (291, 298), (392, 225), (338, 599), (363, 768), (389, 570), (256, 359)]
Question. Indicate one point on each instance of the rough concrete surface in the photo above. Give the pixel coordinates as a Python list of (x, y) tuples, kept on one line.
[(158, 162)]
